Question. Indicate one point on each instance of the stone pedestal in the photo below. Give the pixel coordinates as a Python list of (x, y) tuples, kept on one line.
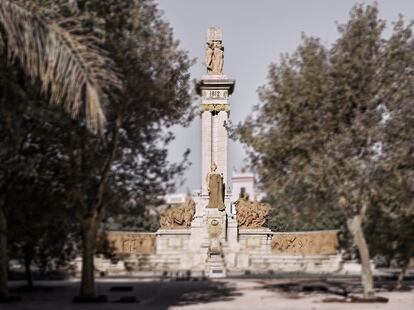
[(216, 224)]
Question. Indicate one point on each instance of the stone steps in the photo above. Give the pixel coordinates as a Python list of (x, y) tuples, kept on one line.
[(316, 263)]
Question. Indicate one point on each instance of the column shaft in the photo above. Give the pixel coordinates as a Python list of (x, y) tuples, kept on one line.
[(206, 142)]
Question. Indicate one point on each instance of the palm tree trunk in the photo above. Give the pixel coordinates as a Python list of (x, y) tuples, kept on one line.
[(355, 227), (4, 262), (89, 230)]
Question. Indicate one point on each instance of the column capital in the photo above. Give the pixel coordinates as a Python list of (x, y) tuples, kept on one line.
[(215, 107)]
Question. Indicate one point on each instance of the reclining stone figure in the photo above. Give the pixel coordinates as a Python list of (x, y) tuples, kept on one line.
[(251, 214), (178, 217)]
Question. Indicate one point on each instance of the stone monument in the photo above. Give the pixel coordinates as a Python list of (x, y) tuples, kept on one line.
[(206, 234)]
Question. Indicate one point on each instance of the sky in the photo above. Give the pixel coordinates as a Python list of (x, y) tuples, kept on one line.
[(255, 34)]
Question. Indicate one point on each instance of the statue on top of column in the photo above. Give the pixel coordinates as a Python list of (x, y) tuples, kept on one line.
[(214, 51), (215, 189)]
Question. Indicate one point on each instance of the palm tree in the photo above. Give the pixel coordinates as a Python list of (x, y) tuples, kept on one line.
[(61, 52), (66, 58)]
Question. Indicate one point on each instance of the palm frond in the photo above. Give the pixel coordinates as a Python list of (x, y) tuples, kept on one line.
[(63, 54)]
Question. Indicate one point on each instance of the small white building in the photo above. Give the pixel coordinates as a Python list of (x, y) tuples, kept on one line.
[(244, 182), (172, 199)]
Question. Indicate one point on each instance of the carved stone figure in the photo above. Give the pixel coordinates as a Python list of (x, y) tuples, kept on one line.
[(251, 214), (218, 58), (209, 57), (178, 217), (215, 189), (214, 51)]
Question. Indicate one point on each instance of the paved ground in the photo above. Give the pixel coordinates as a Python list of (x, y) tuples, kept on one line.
[(281, 294)]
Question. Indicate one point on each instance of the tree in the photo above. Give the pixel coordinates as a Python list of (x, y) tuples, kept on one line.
[(43, 231), (53, 46), (317, 131), (396, 176), (130, 160)]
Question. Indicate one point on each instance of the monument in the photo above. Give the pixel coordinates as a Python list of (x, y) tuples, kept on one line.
[(207, 234)]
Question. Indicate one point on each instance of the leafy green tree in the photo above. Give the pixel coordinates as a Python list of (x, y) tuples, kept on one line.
[(33, 190), (52, 43), (316, 139), (396, 151), (128, 161), (131, 157), (43, 230), (64, 59)]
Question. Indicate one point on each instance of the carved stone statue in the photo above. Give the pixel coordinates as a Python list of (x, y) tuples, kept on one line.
[(251, 214), (209, 57), (215, 189), (178, 217), (214, 52), (218, 57)]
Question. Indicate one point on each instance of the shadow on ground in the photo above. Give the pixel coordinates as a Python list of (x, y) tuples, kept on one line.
[(149, 294), (340, 286), (208, 291)]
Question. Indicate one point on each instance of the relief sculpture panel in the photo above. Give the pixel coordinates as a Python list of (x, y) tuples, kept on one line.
[(306, 243), (178, 217), (131, 243), (251, 214)]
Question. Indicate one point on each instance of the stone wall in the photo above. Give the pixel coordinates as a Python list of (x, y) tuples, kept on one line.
[(305, 243), (256, 250)]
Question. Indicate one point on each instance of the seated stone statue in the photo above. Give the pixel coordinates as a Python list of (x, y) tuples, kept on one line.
[(215, 189), (251, 214), (178, 217)]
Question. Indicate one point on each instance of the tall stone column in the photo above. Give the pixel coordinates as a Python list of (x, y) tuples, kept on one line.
[(222, 137), (214, 135), (206, 142), (214, 224)]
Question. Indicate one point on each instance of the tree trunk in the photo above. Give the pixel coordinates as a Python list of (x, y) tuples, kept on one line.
[(4, 262), (401, 276), (355, 227), (28, 270), (404, 268), (89, 230)]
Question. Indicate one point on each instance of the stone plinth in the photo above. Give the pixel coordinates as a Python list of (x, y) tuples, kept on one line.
[(238, 250)]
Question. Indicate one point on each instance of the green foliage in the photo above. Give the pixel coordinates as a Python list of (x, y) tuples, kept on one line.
[(97, 176), (332, 137), (53, 45)]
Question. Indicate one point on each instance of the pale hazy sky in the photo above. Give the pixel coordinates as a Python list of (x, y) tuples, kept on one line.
[(255, 33)]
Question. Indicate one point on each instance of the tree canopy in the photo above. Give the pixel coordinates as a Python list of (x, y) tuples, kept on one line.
[(333, 123), (126, 165)]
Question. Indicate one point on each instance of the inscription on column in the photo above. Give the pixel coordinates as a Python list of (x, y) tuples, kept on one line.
[(219, 94)]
